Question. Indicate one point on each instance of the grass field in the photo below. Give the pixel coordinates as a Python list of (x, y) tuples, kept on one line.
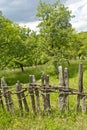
[(55, 120)]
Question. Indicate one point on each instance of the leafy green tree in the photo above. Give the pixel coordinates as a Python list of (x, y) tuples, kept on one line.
[(55, 30), (33, 48), (80, 45), (12, 43)]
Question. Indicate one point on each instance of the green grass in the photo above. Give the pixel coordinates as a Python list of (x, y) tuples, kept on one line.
[(55, 120), (12, 75)]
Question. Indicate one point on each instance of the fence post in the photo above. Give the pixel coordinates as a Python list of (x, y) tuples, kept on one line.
[(66, 82), (47, 93), (25, 102), (42, 91), (31, 91), (84, 104), (7, 96), (37, 96), (61, 83), (21, 96), (80, 86), (1, 101), (80, 90), (18, 89)]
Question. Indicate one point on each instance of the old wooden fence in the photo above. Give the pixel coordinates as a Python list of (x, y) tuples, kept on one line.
[(39, 95)]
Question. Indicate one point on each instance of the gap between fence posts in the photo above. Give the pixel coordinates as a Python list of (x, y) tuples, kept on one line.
[(7, 96)]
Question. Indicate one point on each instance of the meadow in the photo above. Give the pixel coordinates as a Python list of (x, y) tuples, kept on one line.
[(54, 120)]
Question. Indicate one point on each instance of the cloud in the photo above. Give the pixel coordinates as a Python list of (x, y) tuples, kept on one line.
[(78, 9), (24, 11), (19, 10), (31, 25)]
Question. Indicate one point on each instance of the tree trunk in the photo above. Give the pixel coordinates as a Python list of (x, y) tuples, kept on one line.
[(22, 67)]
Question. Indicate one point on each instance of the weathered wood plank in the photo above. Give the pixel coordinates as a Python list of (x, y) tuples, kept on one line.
[(66, 84), (31, 91), (42, 91), (61, 83), (48, 106), (18, 89)]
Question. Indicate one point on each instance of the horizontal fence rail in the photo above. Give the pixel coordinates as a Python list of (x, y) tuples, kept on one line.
[(39, 95)]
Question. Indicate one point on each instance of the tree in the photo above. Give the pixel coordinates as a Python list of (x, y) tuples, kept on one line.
[(55, 30), (12, 43), (33, 48), (80, 45)]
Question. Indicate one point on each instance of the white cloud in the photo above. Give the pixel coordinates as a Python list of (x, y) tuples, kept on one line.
[(79, 24), (78, 9), (84, 11), (23, 11), (31, 25)]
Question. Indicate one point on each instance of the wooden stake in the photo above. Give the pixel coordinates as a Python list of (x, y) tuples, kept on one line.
[(18, 89), (61, 83), (42, 92), (48, 106), (80, 86), (1, 101), (7, 96), (30, 89), (66, 82)]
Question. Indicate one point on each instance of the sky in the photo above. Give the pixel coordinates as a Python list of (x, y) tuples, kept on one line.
[(23, 12)]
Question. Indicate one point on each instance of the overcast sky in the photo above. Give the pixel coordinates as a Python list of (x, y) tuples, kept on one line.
[(24, 11)]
